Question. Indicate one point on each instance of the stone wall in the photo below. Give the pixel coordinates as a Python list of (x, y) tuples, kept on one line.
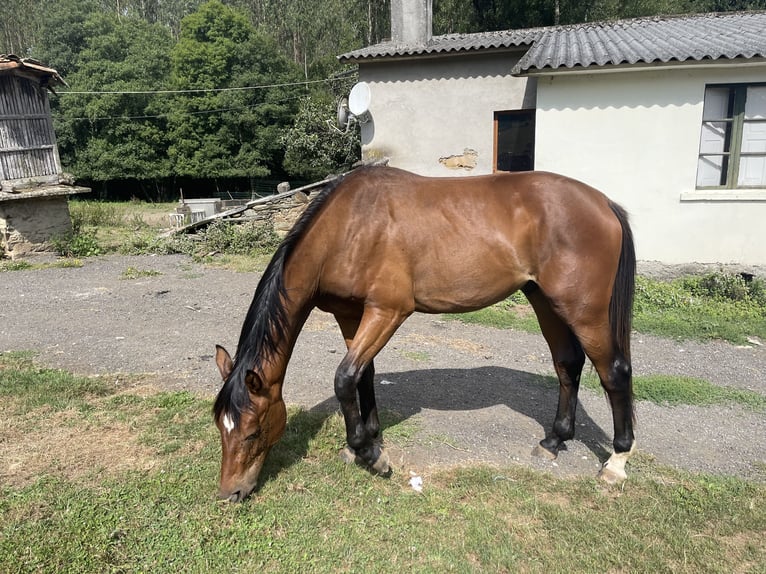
[(29, 225)]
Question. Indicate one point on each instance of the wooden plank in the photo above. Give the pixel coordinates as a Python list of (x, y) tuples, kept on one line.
[(27, 141), (46, 191)]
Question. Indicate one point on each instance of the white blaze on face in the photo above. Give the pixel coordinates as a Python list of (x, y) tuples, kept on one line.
[(228, 422)]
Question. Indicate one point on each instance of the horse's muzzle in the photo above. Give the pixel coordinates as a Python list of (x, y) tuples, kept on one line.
[(236, 496)]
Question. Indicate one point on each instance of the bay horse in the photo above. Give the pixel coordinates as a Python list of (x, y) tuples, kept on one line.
[(379, 244)]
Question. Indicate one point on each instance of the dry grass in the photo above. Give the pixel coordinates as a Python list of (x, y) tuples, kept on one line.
[(68, 445)]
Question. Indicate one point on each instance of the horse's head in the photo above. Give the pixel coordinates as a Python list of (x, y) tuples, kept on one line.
[(248, 433)]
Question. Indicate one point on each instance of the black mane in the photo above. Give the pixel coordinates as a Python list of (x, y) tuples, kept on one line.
[(266, 318)]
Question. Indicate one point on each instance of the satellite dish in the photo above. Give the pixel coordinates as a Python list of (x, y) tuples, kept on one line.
[(344, 116), (359, 101)]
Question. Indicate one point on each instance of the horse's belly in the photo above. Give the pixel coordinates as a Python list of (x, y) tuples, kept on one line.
[(450, 293)]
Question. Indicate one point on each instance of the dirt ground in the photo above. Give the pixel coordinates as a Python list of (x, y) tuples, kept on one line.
[(474, 393)]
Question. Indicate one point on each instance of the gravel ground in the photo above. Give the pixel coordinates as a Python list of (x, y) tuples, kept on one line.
[(474, 393)]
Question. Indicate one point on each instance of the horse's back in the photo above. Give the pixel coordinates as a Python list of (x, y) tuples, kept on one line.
[(454, 244)]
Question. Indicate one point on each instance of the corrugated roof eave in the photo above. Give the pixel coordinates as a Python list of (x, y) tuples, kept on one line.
[(448, 44), (521, 69)]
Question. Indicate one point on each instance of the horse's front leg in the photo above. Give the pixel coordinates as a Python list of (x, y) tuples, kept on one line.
[(362, 424), (368, 407), (354, 377)]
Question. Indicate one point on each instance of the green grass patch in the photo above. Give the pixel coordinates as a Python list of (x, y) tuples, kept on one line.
[(28, 266), (675, 390), (15, 265), (133, 273), (703, 308), (512, 313), (321, 518), (314, 513), (33, 387), (713, 306)]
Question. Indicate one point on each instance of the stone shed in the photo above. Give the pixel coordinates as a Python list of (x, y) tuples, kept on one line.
[(34, 190)]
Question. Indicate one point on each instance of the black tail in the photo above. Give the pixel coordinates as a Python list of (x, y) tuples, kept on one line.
[(621, 305)]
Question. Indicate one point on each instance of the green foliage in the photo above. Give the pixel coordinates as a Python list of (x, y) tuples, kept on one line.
[(130, 47), (724, 286), (716, 306), (482, 15), (116, 135), (314, 147), (81, 242), (61, 31), (144, 244), (239, 239), (94, 214), (228, 133), (251, 240), (311, 34)]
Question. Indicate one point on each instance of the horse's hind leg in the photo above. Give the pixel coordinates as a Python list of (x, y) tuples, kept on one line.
[(355, 376), (568, 360), (615, 372)]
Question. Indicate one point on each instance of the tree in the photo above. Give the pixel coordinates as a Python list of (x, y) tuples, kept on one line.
[(19, 26), (64, 33), (312, 33), (229, 132), (485, 15), (314, 147), (116, 135)]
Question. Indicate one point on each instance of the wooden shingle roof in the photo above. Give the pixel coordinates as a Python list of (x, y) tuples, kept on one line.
[(27, 67)]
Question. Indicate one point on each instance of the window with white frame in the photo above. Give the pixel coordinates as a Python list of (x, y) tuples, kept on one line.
[(733, 140)]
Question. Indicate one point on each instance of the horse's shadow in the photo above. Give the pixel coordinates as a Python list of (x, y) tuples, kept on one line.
[(408, 393)]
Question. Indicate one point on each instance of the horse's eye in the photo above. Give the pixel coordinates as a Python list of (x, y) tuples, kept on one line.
[(253, 436)]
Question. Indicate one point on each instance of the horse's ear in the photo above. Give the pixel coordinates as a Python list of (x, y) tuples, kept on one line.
[(254, 383), (224, 362)]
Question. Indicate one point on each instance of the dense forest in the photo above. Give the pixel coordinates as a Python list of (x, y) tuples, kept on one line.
[(166, 93)]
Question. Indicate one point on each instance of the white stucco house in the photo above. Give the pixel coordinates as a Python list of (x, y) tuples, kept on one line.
[(666, 115)]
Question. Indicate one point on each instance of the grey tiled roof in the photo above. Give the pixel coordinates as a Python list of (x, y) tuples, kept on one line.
[(445, 44), (649, 40), (641, 40)]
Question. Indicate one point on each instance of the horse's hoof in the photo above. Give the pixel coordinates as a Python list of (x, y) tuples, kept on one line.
[(613, 471), (382, 465), (542, 452), (348, 455), (612, 476)]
